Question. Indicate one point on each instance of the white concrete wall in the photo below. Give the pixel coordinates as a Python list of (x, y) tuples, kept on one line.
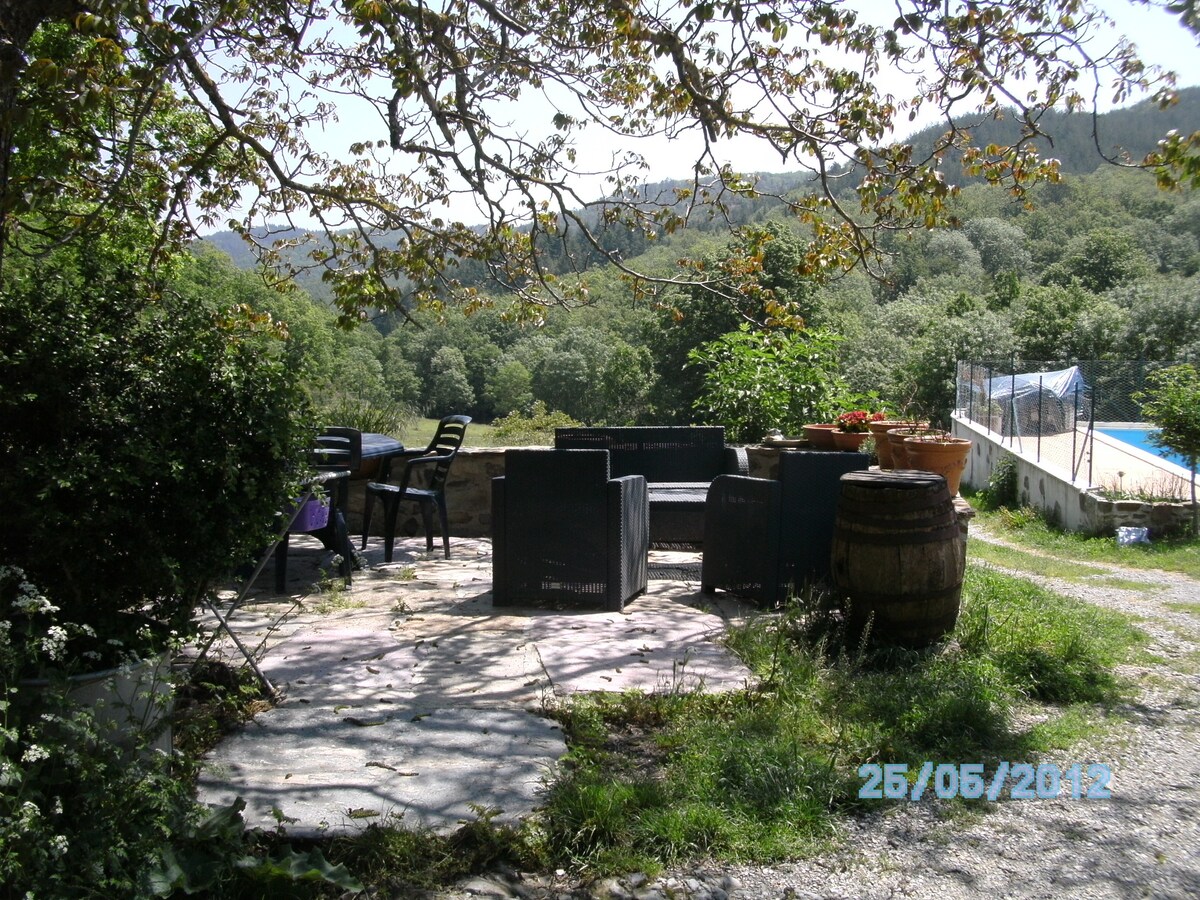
[(1065, 501)]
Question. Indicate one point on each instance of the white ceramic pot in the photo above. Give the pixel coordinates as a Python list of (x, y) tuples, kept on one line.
[(126, 700)]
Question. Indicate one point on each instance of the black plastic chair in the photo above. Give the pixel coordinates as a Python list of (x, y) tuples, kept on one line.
[(563, 530), (423, 482)]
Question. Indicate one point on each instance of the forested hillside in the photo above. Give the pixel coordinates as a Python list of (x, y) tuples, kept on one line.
[(1101, 265)]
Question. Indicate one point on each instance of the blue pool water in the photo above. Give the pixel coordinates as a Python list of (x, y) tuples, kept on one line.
[(1140, 438)]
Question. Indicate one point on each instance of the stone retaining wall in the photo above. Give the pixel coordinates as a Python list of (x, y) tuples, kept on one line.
[(1104, 516), (469, 493)]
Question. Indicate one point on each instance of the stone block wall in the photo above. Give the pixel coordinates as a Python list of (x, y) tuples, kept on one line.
[(469, 493), (1103, 516)]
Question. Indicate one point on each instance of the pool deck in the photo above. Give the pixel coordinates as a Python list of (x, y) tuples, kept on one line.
[(1112, 463)]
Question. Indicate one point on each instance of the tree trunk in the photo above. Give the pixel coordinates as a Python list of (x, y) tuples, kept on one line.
[(19, 19)]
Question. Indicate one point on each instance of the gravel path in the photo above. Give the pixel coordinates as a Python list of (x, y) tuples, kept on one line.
[(1144, 842)]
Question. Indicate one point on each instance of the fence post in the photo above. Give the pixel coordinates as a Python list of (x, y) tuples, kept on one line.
[(971, 394), (1092, 432), (1012, 400), (1074, 437), (1039, 431)]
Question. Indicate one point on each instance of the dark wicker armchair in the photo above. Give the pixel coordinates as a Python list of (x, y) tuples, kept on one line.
[(764, 538), (562, 529)]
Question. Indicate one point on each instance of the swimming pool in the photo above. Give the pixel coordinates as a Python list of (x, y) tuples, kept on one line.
[(1140, 438)]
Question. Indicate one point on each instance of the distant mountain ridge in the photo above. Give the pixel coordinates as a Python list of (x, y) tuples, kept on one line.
[(1133, 131)]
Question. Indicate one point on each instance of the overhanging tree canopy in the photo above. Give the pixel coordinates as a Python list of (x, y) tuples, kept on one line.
[(191, 108)]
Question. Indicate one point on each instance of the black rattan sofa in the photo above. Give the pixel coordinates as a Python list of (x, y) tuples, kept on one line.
[(678, 463)]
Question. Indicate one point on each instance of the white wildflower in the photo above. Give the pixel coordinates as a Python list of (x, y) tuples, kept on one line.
[(55, 641), (31, 601), (58, 845), (35, 753)]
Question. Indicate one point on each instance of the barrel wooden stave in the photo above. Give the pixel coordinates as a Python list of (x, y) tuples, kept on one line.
[(897, 556)]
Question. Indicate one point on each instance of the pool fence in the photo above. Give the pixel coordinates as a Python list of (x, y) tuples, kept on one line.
[(1051, 416)]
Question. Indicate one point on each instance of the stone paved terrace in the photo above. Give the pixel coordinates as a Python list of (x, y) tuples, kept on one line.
[(408, 695)]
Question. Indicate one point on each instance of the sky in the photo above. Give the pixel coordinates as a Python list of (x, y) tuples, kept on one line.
[(1159, 36)]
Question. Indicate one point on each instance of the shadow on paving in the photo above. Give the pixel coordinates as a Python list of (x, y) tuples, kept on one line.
[(407, 694)]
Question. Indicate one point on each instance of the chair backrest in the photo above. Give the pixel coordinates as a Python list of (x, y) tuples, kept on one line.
[(662, 453), (447, 441), (558, 475), (556, 506), (811, 484), (337, 447)]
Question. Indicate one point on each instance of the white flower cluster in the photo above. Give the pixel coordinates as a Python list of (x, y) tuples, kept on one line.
[(29, 599), (55, 641)]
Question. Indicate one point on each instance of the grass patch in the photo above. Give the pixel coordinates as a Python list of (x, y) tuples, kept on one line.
[(1171, 554), (1031, 563), (400, 863), (1065, 728), (1192, 609), (420, 432), (763, 775)]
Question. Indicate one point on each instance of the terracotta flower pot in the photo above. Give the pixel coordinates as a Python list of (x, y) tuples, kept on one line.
[(945, 456), (849, 440), (820, 436), (896, 438), (883, 447)]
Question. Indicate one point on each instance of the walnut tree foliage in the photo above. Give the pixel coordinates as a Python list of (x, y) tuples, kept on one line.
[(187, 109)]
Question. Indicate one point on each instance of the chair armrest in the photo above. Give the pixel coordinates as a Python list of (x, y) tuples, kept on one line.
[(628, 538), (632, 497), (385, 462), (737, 461), (742, 538), (411, 465), (499, 544)]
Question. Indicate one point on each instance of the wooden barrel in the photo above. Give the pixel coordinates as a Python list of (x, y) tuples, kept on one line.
[(897, 556)]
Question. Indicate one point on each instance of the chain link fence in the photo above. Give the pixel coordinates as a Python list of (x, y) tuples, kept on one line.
[(1049, 411)]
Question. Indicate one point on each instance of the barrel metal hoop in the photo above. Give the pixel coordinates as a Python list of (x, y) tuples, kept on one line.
[(881, 602), (945, 533), (877, 506), (887, 523)]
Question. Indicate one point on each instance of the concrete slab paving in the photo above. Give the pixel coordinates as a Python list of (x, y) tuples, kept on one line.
[(653, 651), (335, 771), (407, 695)]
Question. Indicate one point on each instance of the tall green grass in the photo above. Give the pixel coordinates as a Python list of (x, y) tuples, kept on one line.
[(763, 774)]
